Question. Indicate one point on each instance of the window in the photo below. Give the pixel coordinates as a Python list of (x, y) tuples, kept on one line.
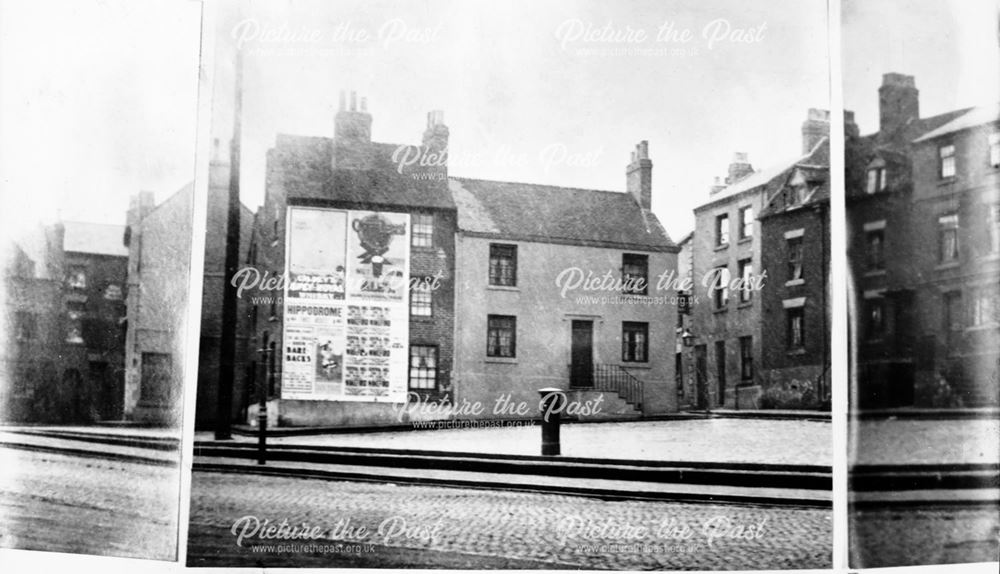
[(421, 297), (746, 359), (679, 374), (953, 316), (635, 273), (746, 222), (720, 370), (995, 150), (722, 230), (796, 333), (113, 293), (993, 228), (635, 342), (948, 238), (77, 277), (422, 230), (503, 265), (874, 318), (501, 335), (984, 306), (720, 295), (876, 179), (947, 154), (794, 258), (875, 249), (74, 323), (27, 325), (423, 367), (746, 274)]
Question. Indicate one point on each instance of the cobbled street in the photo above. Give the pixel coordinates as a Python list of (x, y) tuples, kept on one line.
[(430, 527), (63, 503), (915, 536)]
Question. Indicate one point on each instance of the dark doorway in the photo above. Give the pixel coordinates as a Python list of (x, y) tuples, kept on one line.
[(701, 375), (582, 355), (901, 378)]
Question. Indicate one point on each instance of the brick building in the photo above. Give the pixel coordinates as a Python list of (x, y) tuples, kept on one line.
[(795, 234), (523, 322), (726, 341), (904, 353), (351, 173)]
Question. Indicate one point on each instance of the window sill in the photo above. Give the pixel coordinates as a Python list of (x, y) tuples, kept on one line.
[(748, 239), (875, 273), (984, 327), (502, 360), (946, 266), (503, 287), (720, 310), (425, 248), (636, 365), (950, 180), (421, 317), (795, 352), (722, 247), (794, 282), (745, 304)]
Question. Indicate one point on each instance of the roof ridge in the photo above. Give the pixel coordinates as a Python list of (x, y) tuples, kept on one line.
[(461, 178)]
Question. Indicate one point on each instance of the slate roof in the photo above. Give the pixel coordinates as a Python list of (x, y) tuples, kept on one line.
[(309, 174), (95, 238), (551, 214), (914, 129), (970, 119), (815, 166)]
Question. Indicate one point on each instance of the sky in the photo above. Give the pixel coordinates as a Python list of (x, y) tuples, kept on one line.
[(98, 100), (522, 99), (949, 46)]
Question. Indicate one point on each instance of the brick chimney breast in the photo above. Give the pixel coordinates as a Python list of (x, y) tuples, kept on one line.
[(352, 126), (639, 176), (898, 103), (739, 168), (815, 128)]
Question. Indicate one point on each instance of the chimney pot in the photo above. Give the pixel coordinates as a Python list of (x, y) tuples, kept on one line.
[(364, 104), (354, 101), (639, 176), (343, 101)]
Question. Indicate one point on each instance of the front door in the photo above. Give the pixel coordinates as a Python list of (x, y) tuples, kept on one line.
[(701, 375), (582, 355)]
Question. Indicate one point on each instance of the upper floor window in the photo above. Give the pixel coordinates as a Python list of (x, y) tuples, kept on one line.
[(876, 179), (984, 305), (635, 342), (503, 265), (947, 154), (746, 274), (74, 323), (794, 258), (795, 318), (948, 238), (77, 277), (635, 273), (746, 222), (993, 228), (875, 249), (995, 149), (421, 297), (875, 318), (501, 336), (746, 358), (722, 230), (720, 295), (422, 230), (113, 292)]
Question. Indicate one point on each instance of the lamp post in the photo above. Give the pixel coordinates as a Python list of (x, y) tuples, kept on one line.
[(267, 360)]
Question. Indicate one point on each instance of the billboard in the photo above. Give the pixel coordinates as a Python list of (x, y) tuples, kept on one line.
[(346, 320)]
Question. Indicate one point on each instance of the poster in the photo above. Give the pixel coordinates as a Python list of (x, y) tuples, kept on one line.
[(346, 323)]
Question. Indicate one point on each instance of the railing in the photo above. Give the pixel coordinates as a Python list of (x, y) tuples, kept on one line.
[(610, 378)]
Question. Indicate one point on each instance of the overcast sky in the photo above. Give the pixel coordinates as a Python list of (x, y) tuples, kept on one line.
[(521, 101), (949, 46), (98, 99)]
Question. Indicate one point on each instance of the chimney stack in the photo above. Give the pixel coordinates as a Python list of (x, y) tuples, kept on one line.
[(717, 186), (850, 126), (815, 128), (639, 176), (898, 103), (435, 140), (351, 126), (739, 168)]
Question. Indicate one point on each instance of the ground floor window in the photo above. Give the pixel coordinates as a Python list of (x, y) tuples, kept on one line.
[(423, 367), (501, 336), (635, 341)]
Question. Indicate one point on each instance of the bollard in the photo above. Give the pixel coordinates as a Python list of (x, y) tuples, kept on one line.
[(551, 404)]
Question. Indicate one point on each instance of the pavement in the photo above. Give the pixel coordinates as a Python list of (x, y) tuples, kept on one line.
[(777, 441), (434, 527), (923, 536)]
